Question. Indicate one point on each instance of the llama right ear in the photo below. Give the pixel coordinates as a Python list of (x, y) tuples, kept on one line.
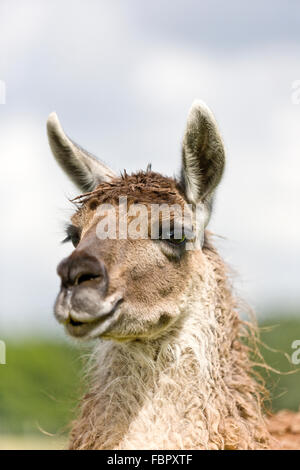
[(83, 168), (203, 156)]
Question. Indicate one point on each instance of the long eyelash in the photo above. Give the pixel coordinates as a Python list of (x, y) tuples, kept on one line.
[(66, 240), (71, 230)]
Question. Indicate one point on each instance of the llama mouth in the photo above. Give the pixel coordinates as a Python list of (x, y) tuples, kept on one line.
[(74, 322), (80, 329), (92, 329)]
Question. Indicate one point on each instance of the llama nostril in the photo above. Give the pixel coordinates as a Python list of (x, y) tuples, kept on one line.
[(79, 268), (81, 278)]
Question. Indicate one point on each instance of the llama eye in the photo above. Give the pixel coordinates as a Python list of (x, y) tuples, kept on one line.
[(176, 241), (73, 235), (75, 240), (172, 239), (172, 246)]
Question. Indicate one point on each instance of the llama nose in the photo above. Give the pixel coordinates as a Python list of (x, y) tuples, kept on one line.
[(81, 268)]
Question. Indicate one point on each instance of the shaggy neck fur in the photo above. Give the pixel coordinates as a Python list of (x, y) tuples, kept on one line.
[(189, 389)]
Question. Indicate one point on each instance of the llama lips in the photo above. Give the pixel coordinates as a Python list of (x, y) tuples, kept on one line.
[(84, 313), (80, 329), (93, 328)]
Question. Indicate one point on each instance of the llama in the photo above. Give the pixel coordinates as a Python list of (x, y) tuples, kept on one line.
[(172, 363)]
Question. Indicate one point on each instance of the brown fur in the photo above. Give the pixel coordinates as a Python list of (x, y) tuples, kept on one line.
[(141, 187), (224, 413), (173, 367)]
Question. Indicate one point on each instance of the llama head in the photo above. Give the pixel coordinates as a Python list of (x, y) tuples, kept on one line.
[(137, 238)]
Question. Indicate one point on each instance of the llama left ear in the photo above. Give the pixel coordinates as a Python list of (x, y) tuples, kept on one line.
[(86, 171), (203, 156)]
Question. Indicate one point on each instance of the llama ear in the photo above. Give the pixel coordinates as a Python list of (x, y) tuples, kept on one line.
[(83, 168), (203, 156)]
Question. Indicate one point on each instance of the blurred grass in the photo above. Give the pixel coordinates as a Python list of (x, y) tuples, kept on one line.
[(40, 385), (278, 334)]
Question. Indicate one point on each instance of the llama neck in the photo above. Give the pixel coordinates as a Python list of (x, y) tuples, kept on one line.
[(179, 394)]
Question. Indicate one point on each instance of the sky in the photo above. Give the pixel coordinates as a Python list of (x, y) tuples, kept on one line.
[(121, 75)]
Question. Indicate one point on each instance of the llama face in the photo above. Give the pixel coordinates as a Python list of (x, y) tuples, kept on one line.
[(126, 288), (134, 284)]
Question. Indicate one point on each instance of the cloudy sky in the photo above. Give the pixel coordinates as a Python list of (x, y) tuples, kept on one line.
[(122, 74)]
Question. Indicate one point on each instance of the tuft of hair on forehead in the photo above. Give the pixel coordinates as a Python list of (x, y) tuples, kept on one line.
[(141, 187)]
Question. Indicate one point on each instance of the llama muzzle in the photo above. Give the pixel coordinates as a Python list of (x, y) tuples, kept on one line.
[(82, 304)]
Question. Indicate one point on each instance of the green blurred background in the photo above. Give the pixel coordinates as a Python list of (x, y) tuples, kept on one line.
[(42, 380), (39, 388), (122, 88)]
